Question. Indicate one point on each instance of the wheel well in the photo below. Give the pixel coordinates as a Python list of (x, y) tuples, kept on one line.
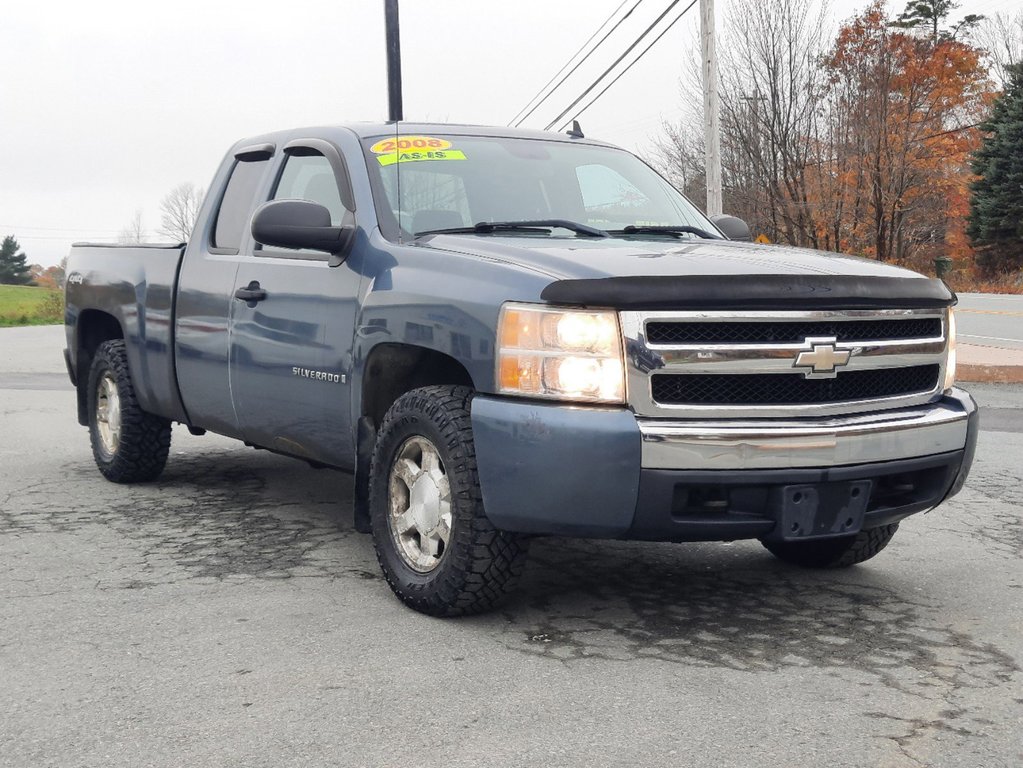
[(94, 327), (394, 369)]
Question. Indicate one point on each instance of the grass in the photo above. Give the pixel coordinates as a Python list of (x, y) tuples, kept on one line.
[(30, 305), (964, 282)]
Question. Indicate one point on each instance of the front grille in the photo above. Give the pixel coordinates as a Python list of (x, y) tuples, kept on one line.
[(791, 389), (744, 332), (725, 364)]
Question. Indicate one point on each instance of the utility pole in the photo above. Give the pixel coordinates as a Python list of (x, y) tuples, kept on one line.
[(394, 109), (711, 116)]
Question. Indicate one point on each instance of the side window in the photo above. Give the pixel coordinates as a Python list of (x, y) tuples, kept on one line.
[(237, 204), (310, 177)]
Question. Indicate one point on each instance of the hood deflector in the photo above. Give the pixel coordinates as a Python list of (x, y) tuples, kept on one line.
[(753, 292)]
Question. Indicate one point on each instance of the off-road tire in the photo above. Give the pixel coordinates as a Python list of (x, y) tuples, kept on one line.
[(840, 552), (144, 439), (480, 565)]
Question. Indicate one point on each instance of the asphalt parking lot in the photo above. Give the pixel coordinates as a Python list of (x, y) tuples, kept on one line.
[(228, 615)]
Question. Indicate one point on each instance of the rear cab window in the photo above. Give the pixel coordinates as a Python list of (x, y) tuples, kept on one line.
[(236, 206)]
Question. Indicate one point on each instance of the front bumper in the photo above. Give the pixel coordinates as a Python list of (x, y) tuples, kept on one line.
[(601, 472)]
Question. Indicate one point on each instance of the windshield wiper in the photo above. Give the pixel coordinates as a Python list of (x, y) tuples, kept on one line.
[(665, 230), (538, 225)]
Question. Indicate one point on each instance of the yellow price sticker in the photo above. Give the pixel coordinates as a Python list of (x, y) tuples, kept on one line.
[(394, 144), (420, 155)]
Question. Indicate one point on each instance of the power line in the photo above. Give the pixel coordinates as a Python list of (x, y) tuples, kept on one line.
[(59, 239), (889, 166), (579, 63), (53, 229), (641, 55), (571, 59), (992, 6), (952, 130), (617, 61)]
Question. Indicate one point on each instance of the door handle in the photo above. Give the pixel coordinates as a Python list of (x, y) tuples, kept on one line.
[(252, 292)]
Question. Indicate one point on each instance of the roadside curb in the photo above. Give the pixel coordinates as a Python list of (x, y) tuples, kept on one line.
[(989, 374), (982, 364)]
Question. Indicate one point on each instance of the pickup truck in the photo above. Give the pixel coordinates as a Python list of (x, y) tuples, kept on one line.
[(507, 333)]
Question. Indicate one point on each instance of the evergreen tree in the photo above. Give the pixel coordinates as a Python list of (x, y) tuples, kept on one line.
[(13, 269), (930, 14), (996, 205)]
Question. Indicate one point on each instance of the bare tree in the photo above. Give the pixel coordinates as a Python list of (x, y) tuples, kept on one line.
[(179, 210), (133, 233), (773, 89), (678, 153), (61, 273), (1001, 37), (772, 115)]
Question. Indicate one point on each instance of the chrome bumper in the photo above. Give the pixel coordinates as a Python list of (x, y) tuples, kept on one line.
[(937, 427)]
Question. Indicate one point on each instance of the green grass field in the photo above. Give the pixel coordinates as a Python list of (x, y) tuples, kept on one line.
[(30, 305)]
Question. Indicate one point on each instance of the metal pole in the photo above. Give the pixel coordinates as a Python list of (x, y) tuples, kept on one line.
[(711, 121), (394, 111)]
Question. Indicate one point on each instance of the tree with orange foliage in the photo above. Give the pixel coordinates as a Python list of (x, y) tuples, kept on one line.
[(906, 107), (49, 277), (859, 145)]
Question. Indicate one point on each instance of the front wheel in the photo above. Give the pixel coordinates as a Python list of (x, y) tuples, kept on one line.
[(438, 550), (839, 552), (128, 444)]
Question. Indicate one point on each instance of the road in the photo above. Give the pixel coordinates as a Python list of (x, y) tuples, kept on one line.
[(993, 320), (228, 615)]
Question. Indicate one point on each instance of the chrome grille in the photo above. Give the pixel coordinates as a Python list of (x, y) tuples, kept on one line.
[(744, 332), (765, 363), (791, 389)]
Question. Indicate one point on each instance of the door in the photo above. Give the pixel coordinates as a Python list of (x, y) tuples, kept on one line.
[(205, 287), (292, 328)]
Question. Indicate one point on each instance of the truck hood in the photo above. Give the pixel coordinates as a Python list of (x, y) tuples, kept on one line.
[(578, 258)]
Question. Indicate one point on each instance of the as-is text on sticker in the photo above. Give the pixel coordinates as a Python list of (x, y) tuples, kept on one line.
[(411, 149)]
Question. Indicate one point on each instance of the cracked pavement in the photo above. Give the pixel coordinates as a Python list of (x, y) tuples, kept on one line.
[(228, 615)]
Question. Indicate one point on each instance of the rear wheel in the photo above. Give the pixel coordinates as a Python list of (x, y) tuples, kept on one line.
[(839, 552), (437, 548), (128, 444)]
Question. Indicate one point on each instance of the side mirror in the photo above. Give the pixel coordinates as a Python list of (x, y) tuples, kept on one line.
[(300, 224), (733, 227)]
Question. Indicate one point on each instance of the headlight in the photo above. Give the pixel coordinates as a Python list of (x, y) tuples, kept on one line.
[(566, 354), (950, 362)]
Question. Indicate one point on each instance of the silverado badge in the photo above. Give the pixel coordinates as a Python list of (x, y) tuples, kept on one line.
[(307, 373)]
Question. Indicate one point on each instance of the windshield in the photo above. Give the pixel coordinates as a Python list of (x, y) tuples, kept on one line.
[(449, 182)]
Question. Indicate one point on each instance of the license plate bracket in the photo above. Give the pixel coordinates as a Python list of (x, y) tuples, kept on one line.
[(819, 510)]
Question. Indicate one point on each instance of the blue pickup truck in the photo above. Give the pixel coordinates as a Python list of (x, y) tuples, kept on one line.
[(507, 333)]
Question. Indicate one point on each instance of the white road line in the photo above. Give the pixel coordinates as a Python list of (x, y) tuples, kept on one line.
[(989, 338)]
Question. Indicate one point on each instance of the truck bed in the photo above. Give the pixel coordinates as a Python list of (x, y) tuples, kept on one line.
[(134, 284)]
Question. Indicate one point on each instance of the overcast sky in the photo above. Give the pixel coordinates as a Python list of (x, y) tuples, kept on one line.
[(107, 105)]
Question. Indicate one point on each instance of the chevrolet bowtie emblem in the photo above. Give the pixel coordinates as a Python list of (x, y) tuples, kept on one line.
[(822, 358)]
